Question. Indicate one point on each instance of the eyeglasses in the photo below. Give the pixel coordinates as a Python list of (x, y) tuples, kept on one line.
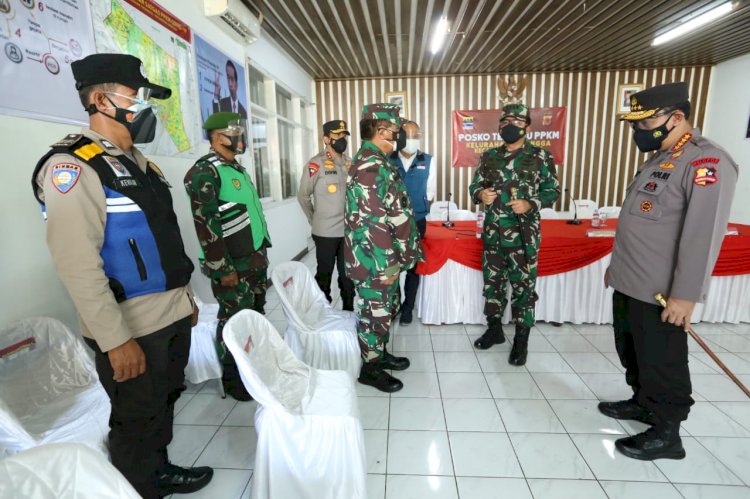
[(512, 121)]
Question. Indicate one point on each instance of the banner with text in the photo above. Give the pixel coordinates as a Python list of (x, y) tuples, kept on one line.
[(476, 131)]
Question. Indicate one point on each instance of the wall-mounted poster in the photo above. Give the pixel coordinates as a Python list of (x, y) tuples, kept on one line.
[(38, 42), (221, 81), (143, 28)]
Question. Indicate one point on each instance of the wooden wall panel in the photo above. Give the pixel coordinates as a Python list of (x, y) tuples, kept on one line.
[(600, 155)]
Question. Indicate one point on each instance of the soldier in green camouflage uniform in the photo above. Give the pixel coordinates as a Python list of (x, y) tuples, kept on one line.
[(381, 240), (231, 230), (513, 182)]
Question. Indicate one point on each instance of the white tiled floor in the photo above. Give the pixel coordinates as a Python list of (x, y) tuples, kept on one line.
[(469, 425)]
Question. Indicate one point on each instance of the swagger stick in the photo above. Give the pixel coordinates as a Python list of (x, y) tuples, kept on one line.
[(663, 302)]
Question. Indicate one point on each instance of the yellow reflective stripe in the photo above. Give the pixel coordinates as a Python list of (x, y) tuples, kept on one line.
[(88, 151)]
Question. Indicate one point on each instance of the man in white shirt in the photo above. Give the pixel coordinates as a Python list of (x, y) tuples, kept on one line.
[(420, 178)]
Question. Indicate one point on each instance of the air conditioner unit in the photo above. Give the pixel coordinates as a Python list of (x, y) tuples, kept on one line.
[(234, 18)]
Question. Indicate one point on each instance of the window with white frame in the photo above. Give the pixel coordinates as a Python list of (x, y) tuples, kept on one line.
[(281, 134)]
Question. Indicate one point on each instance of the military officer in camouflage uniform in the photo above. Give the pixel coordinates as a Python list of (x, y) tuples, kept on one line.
[(324, 182), (513, 182), (381, 241), (231, 230), (669, 234)]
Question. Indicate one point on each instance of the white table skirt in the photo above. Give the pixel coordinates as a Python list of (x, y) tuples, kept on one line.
[(454, 295)]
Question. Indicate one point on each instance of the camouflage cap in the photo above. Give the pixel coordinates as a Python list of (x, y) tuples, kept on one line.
[(515, 110), (218, 121), (382, 111)]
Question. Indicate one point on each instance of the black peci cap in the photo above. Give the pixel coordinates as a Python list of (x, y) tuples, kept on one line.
[(115, 68), (646, 103)]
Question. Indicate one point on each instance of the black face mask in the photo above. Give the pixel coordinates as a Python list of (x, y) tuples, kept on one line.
[(238, 145), (511, 133), (651, 140), (338, 145), (142, 129)]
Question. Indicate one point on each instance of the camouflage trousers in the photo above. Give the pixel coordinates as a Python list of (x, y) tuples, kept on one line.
[(249, 293), (510, 265), (377, 304)]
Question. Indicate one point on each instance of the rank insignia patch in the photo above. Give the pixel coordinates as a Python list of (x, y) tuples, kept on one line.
[(65, 176)]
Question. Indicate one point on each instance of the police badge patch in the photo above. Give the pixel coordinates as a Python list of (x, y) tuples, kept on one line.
[(236, 184), (65, 176), (117, 167)]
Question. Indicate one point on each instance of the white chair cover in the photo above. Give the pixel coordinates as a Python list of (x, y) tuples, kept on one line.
[(49, 389), (585, 208), (203, 363), (310, 440), (463, 215), (611, 211), (548, 214), (62, 471), (318, 334)]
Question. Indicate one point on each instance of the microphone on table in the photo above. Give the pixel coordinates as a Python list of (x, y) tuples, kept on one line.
[(575, 220), (448, 222)]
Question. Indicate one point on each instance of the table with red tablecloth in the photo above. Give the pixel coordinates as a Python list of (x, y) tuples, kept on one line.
[(571, 276)]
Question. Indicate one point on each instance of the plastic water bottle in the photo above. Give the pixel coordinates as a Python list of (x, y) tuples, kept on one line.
[(480, 223), (595, 218)]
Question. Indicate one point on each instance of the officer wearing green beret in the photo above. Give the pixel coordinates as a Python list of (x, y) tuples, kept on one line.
[(381, 241), (232, 231), (669, 234), (513, 182)]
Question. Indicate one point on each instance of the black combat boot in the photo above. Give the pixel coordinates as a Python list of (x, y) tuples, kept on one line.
[(520, 348), (493, 336), (347, 303), (230, 377), (373, 374), (661, 441), (324, 283), (406, 317), (627, 409), (390, 361)]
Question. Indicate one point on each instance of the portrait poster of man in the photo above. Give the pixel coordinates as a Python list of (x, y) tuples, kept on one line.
[(221, 81)]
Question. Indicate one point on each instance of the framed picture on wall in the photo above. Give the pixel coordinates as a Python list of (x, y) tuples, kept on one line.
[(399, 98), (624, 91)]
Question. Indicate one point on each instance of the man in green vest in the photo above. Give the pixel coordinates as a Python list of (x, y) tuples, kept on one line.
[(231, 230)]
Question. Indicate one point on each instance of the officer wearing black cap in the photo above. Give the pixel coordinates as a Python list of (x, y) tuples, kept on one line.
[(669, 233), (117, 248), (322, 195)]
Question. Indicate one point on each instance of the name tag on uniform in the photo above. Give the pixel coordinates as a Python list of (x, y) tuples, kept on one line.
[(126, 182), (332, 172), (421, 167)]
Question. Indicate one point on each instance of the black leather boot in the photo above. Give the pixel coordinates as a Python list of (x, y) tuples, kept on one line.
[(324, 283), (347, 303), (373, 374), (493, 336), (406, 317), (520, 348), (390, 361), (661, 441), (627, 409), (230, 376)]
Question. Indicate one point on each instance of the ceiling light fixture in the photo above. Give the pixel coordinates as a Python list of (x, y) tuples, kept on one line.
[(694, 23), (439, 35)]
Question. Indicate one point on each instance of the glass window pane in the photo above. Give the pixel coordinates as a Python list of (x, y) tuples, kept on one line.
[(288, 172), (283, 103), (260, 157), (257, 92)]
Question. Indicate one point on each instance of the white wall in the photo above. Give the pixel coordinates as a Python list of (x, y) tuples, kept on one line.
[(727, 114), (28, 284)]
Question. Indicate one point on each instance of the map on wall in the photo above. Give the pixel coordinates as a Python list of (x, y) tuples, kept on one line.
[(144, 29), (38, 42)]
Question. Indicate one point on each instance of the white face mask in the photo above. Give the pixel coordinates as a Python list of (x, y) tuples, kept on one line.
[(412, 145)]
